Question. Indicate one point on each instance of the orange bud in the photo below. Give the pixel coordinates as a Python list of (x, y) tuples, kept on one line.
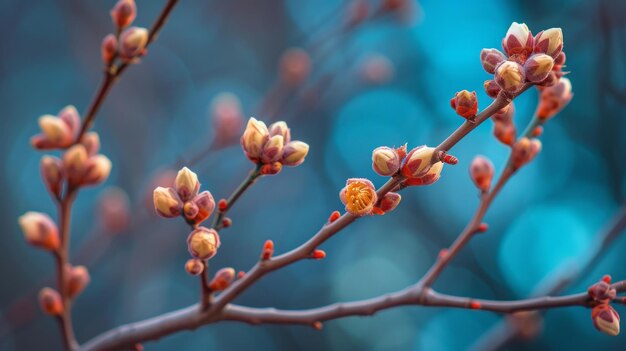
[(124, 13), (194, 266), (481, 172), (78, 279), (50, 302), (465, 104), (222, 279), (318, 254), (40, 230), (268, 250), (334, 216)]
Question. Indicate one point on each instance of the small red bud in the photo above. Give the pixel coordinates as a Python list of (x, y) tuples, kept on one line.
[(241, 274), (443, 253), (318, 325), (222, 279), (227, 222), (483, 227), (481, 171), (475, 305), (334, 216), (138, 347), (606, 278), (268, 250), (318, 254), (222, 205), (537, 131), (449, 159)]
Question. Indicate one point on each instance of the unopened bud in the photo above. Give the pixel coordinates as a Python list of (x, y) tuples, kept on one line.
[(490, 58), (124, 13), (334, 216), (166, 202), (91, 141), (75, 163), (465, 103), (505, 132), (194, 266), (510, 76), (318, 254), (186, 184), (280, 128), (55, 131), (481, 172), (50, 301), (40, 230), (492, 88), (537, 67), (549, 42), (295, 66), (222, 279), (271, 168), (52, 173), (524, 151), (359, 196), (431, 176), (294, 153), (268, 250), (108, 48), (273, 149), (553, 99), (254, 138), (203, 243), (518, 40), (133, 41), (389, 202), (204, 205), (418, 162), (385, 161), (78, 278), (98, 170), (602, 292), (605, 319), (504, 114)]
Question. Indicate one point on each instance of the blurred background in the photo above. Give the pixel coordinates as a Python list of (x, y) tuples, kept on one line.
[(384, 80)]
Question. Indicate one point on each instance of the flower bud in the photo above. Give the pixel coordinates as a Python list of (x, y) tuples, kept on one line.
[(417, 162), (114, 210), (510, 76), (91, 141), (518, 40), (504, 114), (295, 66), (70, 116), (389, 202), (203, 243), (605, 319), (222, 279), (553, 99), (505, 132), (271, 168), (559, 61), (537, 67), (465, 103), (205, 204), (40, 230), (254, 138), (124, 13), (166, 202), (359, 196), (55, 130), (549, 42), (280, 128), (77, 279), (75, 163), (481, 171), (186, 184), (190, 210), (524, 151), (294, 153), (50, 302), (52, 173), (490, 58), (133, 41), (602, 292), (108, 48), (194, 266), (268, 250), (273, 149), (376, 69), (431, 176), (492, 88), (98, 170), (385, 161), (227, 118)]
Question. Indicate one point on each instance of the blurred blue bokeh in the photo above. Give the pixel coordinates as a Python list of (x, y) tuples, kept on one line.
[(158, 114)]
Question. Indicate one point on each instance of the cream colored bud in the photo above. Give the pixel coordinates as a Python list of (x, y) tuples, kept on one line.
[(186, 184), (280, 128), (550, 42), (40, 230), (133, 41), (254, 138), (166, 202), (510, 76), (203, 243), (273, 149), (294, 153), (518, 40), (418, 162), (98, 170), (537, 67), (55, 130), (385, 161)]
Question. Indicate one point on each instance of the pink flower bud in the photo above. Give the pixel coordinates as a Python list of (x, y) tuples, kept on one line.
[(492, 88), (98, 170), (504, 114), (227, 118), (490, 58), (108, 48), (205, 204), (114, 209), (605, 319), (52, 173), (524, 151), (518, 40), (430, 177), (57, 132), (537, 67), (75, 163), (50, 302), (166, 202), (385, 161), (294, 153), (194, 266), (389, 202), (272, 150), (203, 243), (280, 128), (91, 141), (359, 196), (376, 69), (553, 99), (77, 279), (505, 132), (510, 76), (549, 42), (465, 104), (418, 162), (481, 171), (40, 230), (254, 138), (295, 66), (186, 184), (222, 279), (124, 13), (133, 41), (70, 116)]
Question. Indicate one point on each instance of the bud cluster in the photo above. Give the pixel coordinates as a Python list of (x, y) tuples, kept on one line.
[(82, 164), (57, 132), (184, 199), (272, 147), (130, 42), (526, 59)]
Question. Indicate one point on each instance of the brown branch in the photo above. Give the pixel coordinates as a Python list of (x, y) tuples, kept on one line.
[(232, 199)]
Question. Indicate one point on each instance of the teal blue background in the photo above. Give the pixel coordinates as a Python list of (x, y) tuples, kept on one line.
[(545, 219)]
